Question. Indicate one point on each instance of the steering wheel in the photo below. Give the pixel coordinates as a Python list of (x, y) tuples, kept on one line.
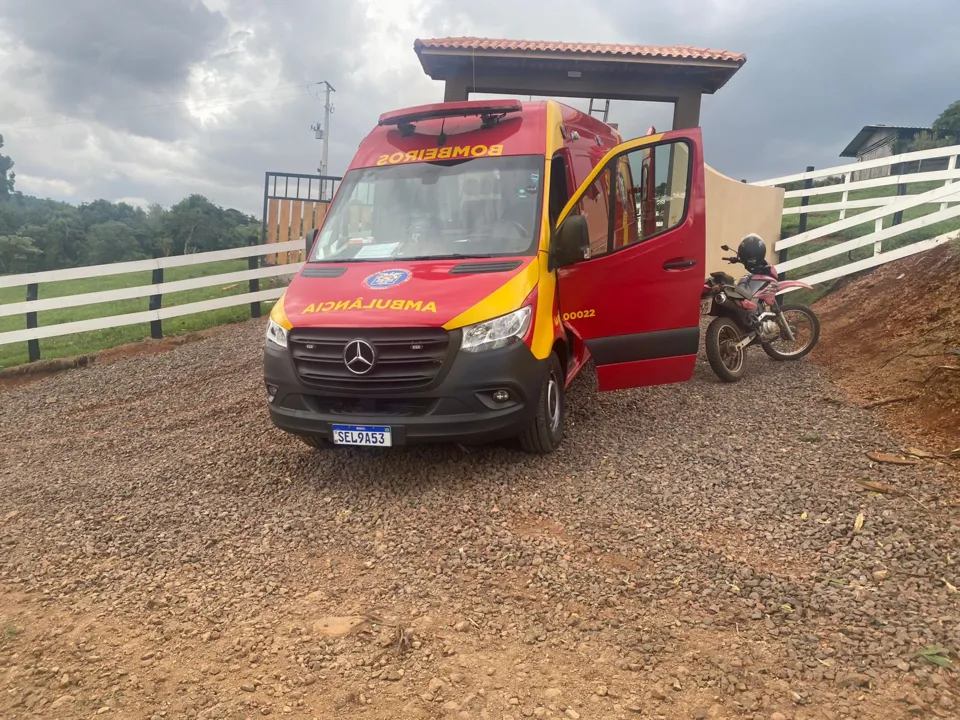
[(418, 231)]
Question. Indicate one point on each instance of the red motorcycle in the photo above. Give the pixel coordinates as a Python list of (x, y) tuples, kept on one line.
[(747, 312)]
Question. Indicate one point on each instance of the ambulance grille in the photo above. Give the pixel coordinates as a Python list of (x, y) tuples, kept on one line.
[(406, 358)]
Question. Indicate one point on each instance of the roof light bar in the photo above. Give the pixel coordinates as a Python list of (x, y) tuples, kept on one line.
[(489, 111)]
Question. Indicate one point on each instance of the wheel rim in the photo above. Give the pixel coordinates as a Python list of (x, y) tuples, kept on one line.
[(730, 355), (801, 325), (553, 403)]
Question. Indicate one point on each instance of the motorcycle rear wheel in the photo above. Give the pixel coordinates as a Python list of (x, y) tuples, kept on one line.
[(814, 339), (728, 364)]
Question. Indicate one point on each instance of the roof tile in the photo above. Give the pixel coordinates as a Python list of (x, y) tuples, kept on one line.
[(683, 52)]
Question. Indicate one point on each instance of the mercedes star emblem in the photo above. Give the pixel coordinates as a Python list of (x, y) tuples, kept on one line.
[(359, 357)]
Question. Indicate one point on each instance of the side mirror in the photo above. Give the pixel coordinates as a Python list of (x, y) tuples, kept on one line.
[(311, 238), (571, 243), (726, 247)]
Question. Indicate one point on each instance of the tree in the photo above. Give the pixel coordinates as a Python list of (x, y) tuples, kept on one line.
[(6, 174), (18, 254), (196, 225), (947, 125), (43, 234), (923, 140), (110, 242)]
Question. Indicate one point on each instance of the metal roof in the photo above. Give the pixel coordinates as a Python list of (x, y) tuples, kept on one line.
[(861, 137)]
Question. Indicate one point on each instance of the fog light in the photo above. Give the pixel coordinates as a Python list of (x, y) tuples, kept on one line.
[(271, 393), (501, 395)]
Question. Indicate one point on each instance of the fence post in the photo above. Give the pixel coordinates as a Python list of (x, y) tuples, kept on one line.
[(951, 165), (804, 201), (253, 262), (33, 346), (802, 226), (847, 178), (898, 215), (156, 326)]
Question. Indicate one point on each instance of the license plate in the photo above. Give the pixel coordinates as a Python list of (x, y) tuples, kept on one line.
[(706, 305), (369, 435)]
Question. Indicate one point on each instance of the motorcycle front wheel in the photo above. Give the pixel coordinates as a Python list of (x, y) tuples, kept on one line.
[(726, 360), (805, 326)]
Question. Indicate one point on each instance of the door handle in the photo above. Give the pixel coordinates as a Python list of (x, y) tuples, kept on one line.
[(678, 264)]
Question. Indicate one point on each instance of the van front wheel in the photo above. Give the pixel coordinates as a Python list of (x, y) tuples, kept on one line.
[(546, 431)]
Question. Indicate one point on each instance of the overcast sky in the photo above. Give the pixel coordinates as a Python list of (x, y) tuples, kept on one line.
[(151, 100)]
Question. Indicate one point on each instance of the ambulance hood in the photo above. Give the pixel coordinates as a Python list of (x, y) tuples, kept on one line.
[(432, 293)]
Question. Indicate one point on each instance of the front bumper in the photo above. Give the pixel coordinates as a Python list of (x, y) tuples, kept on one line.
[(458, 406)]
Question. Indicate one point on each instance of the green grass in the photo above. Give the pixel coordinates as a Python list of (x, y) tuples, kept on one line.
[(815, 219), (93, 341)]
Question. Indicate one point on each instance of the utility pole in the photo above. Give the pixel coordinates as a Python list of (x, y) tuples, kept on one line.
[(323, 131)]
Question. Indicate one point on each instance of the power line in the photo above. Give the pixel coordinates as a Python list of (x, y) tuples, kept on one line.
[(33, 120)]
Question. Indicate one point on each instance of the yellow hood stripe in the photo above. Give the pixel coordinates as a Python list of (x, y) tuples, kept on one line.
[(505, 299), (279, 314)]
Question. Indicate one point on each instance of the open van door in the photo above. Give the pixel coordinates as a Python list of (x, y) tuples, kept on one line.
[(632, 294)]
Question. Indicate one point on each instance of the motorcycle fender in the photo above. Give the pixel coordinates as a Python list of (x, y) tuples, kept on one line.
[(791, 284)]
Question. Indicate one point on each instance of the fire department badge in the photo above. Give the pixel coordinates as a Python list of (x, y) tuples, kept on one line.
[(387, 279)]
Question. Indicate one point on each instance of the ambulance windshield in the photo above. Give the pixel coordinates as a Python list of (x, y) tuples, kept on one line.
[(480, 207)]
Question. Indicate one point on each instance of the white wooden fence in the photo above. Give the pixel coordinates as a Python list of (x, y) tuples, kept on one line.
[(945, 197), (154, 291)]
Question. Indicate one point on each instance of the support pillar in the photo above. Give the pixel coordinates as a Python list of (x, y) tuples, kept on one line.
[(455, 90), (686, 110)]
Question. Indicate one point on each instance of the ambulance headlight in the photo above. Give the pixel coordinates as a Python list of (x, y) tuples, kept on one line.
[(276, 334), (497, 333)]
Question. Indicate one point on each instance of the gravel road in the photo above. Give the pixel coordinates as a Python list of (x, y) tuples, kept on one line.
[(691, 552)]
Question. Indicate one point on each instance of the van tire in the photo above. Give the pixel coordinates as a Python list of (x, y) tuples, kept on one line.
[(315, 442), (546, 431)]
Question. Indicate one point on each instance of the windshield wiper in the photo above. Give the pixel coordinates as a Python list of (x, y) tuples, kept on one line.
[(349, 260), (449, 256)]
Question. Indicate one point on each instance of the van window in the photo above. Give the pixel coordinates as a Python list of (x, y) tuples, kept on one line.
[(594, 205), (479, 207), (652, 188)]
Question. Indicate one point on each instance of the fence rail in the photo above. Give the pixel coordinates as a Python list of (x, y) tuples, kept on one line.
[(154, 291), (926, 211)]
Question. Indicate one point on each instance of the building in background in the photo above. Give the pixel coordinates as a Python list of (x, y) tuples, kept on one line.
[(880, 141)]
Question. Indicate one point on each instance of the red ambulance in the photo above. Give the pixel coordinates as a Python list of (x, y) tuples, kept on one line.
[(476, 255)]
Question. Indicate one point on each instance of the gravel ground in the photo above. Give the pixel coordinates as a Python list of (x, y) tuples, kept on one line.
[(691, 552)]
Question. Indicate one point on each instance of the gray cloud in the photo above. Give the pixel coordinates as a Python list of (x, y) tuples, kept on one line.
[(816, 72), (109, 58)]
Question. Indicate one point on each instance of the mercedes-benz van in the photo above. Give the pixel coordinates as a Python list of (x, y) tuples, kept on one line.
[(476, 255)]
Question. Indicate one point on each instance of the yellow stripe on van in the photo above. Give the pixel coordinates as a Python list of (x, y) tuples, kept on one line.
[(505, 299), (544, 330), (279, 313)]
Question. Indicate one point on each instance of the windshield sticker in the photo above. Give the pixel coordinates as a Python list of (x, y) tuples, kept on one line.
[(387, 279), (361, 304), (377, 251), (444, 153)]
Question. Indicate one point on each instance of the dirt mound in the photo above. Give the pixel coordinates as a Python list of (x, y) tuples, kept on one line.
[(892, 339)]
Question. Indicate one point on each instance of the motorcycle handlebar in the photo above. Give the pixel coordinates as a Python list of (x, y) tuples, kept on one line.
[(731, 260)]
